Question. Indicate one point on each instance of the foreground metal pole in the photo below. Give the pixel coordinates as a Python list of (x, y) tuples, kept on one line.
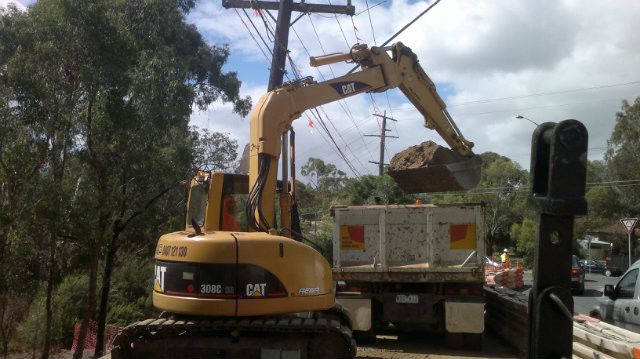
[(558, 179)]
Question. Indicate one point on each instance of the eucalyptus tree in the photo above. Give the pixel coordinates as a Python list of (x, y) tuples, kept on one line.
[(114, 83), (502, 188), (623, 159)]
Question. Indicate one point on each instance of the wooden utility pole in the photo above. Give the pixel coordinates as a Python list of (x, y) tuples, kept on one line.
[(278, 65), (383, 136), (281, 41)]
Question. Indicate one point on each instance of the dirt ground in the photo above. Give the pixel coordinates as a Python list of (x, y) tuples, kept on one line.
[(431, 347), (63, 354), (423, 346)]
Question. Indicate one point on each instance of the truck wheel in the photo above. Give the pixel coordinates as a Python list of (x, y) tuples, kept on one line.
[(473, 341), (364, 337), (607, 272), (454, 340)]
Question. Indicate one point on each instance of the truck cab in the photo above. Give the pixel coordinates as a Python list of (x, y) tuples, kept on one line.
[(621, 307)]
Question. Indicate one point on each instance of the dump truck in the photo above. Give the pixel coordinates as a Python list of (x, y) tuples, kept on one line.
[(411, 267)]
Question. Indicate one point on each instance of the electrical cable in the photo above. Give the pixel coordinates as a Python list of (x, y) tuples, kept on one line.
[(373, 34), (342, 103), (550, 93), (369, 8), (342, 138), (251, 34), (344, 157), (404, 28), (258, 32)]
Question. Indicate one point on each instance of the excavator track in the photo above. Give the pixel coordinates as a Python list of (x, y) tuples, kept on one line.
[(284, 336)]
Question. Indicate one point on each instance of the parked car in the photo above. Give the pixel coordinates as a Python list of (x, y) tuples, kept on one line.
[(597, 267), (621, 307), (577, 275)]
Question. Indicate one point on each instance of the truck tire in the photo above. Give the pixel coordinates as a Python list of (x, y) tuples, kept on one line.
[(364, 337), (473, 341), (454, 340)]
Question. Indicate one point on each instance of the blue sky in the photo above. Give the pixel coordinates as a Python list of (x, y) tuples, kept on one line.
[(547, 60)]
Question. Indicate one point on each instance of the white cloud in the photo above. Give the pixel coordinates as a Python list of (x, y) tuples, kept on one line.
[(22, 5), (578, 58)]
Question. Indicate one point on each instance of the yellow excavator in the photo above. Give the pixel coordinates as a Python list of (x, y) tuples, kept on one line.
[(229, 292)]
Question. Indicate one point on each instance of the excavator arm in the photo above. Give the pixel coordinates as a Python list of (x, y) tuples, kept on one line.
[(276, 111)]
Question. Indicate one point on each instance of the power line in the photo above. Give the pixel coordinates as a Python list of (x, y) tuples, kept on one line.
[(550, 93)]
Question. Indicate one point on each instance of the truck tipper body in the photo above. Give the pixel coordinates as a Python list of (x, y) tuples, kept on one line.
[(411, 267)]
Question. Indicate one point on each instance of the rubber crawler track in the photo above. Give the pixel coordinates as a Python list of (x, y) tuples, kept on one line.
[(162, 333)]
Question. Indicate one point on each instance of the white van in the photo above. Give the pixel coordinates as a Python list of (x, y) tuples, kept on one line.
[(622, 307)]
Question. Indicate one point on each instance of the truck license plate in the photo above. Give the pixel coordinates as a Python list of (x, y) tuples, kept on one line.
[(409, 299)]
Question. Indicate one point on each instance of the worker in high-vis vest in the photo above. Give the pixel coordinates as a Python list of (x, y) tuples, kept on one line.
[(505, 258)]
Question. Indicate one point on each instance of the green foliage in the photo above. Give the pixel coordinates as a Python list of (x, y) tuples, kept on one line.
[(503, 188), (371, 189), (130, 298), (68, 300), (323, 176), (604, 203), (524, 235), (622, 157), (214, 151), (95, 100)]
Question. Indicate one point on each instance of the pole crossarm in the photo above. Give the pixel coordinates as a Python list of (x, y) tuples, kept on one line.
[(301, 7)]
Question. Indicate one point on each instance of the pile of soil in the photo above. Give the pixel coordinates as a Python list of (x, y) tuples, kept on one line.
[(423, 155)]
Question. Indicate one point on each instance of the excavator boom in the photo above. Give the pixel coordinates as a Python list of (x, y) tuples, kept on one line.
[(379, 72)]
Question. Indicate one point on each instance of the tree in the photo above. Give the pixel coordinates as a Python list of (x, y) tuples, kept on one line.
[(371, 189), (524, 235), (503, 189), (214, 151), (109, 88), (622, 157), (326, 180)]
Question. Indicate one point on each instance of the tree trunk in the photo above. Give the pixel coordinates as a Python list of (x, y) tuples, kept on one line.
[(91, 300), (104, 297), (47, 330)]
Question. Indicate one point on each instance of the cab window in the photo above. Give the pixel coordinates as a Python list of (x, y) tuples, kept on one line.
[(627, 285)]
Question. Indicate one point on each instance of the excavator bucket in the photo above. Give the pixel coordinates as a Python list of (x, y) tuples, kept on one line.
[(433, 168)]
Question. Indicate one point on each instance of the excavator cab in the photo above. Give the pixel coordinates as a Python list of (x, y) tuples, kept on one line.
[(214, 200)]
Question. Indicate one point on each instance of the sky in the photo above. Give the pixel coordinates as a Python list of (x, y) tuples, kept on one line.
[(491, 60)]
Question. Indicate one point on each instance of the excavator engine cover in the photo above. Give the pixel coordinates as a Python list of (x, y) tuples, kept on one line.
[(429, 167)]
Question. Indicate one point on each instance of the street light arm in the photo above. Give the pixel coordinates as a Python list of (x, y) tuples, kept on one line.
[(520, 117)]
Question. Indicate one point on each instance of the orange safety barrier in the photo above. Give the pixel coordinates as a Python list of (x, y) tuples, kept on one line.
[(90, 339)]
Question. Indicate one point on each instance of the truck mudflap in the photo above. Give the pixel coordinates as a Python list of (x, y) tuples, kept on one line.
[(359, 310), (464, 317), (260, 337)]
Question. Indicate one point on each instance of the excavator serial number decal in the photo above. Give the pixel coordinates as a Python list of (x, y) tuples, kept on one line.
[(211, 288), (171, 251), (349, 87)]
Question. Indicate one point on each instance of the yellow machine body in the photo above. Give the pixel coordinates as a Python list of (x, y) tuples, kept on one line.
[(214, 271), (227, 274)]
